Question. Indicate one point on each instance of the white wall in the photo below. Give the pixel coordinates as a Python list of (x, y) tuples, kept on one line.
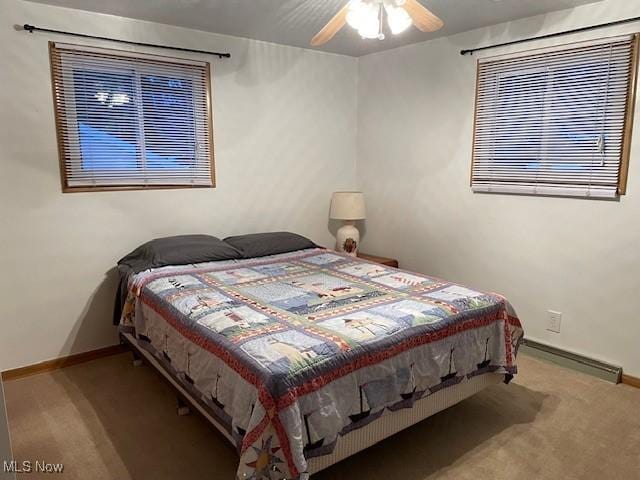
[(286, 123), (285, 138), (581, 257)]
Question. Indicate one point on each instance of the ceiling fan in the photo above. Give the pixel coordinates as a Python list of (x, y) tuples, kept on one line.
[(366, 16)]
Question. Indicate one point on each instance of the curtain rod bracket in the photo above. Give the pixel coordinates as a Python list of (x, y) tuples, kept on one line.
[(470, 51), (32, 28)]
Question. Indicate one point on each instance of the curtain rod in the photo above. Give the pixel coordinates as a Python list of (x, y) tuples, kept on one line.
[(470, 51), (31, 29)]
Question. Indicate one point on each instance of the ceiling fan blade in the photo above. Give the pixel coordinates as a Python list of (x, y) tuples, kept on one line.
[(422, 18), (331, 28)]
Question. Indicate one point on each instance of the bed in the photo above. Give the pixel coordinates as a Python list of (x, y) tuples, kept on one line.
[(305, 357)]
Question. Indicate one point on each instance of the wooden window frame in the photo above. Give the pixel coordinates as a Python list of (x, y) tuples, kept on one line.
[(66, 188), (628, 116)]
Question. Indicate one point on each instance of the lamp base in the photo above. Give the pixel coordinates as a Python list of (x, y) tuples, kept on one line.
[(347, 239)]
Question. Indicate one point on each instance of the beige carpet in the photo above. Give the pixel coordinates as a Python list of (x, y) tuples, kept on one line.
[(108, 420)]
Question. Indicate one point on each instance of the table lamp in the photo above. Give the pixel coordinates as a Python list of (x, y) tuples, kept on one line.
[(347, 206)]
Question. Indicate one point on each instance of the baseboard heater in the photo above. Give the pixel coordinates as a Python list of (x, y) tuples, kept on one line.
[(597, 368)]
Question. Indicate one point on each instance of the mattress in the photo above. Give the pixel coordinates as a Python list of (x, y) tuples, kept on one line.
[(294, 353)]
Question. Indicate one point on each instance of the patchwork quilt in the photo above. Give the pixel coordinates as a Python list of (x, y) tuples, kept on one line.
[(292, 351)]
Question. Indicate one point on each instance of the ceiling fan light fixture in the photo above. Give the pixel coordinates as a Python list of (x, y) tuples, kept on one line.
[(398, 19), (365, 18), (355, 13), (370, 30)]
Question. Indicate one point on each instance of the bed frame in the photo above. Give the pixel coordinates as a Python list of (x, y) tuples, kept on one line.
[(387, 425)]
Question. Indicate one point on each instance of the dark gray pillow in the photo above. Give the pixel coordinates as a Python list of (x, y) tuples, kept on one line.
[(263, 244), (179, 250)]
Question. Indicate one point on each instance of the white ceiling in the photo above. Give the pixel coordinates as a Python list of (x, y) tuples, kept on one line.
[(294, 22)]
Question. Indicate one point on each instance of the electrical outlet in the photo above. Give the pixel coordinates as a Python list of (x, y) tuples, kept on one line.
[(553, 321)]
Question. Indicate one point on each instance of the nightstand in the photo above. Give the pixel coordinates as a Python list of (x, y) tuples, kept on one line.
[(389, 262)]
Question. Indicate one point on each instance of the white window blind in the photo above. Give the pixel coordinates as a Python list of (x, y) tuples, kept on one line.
[(555, 121), (131, 120)]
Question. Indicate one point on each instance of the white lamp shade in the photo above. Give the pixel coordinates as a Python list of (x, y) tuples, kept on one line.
[(347, 206)]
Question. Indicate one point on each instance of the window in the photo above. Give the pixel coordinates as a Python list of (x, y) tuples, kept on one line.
[(556, 121), (127, 120)]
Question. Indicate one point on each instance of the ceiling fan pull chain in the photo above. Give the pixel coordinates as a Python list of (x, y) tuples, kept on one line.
[(381, 14)]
